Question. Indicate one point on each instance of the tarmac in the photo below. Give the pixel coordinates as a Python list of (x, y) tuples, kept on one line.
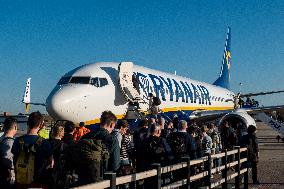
[(271, 159)]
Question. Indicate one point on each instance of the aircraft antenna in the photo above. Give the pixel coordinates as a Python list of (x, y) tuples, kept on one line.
[(240, 87)]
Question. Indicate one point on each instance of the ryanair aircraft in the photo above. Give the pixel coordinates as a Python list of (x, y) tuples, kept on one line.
[(126, 89)]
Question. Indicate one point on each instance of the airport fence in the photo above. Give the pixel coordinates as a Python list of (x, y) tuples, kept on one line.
[(231, 168)]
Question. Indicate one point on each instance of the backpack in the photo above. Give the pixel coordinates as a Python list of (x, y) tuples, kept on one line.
[(229, 138), (139, 137), (233, 138), (52, 171), (205, 145), (58, 174), (178, 145), (25, 164), (156, 148), (91, 152), (215, 138)]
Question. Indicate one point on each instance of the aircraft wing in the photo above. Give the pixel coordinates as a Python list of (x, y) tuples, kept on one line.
[(253, 110), (260, 93), (38, 104), (216, 114), (208, 115)]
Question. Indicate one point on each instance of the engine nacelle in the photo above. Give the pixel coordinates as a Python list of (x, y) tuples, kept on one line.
[(236, 117)]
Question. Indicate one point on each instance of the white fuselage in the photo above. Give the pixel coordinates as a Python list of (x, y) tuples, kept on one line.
[(78, 99)]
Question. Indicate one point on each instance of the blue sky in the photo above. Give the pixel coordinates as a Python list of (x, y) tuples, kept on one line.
[(45, 39)]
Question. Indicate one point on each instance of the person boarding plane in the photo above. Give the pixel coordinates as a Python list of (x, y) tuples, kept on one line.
[(125, 89)]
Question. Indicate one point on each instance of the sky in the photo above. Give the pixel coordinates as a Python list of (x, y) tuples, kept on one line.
[(45, 39)]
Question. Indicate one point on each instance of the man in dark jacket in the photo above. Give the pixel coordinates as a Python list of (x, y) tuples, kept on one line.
[(193, 145), (139, 136), (155, 149), (250, 141), (228, 136), (180, 141)]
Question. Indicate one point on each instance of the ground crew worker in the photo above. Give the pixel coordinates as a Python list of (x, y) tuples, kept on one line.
[(80, 131), (43, 132)]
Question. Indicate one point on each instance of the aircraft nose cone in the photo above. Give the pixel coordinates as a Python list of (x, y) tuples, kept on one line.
[(67, 103), (57, 105)]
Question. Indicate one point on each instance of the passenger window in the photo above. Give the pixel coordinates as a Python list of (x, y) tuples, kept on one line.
[(103, 82), (64, 80), (80, 80)]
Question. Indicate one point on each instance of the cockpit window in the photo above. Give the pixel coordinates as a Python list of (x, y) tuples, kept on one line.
[(99, 82), (103, 82), (95, 81), (64, 80), (80, 80)]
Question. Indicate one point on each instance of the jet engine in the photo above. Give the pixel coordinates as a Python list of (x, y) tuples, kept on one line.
[(236, 117)]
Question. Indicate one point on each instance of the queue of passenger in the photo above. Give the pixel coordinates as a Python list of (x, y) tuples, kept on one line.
[(74, 157)]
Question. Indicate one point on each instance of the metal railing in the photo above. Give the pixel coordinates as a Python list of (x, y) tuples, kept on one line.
[(239, 156)]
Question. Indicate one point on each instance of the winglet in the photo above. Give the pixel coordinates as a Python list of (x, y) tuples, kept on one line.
[(27, 95), (224, 77)]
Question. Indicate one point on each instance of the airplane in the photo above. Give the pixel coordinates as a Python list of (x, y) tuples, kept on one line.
[(82, 94)]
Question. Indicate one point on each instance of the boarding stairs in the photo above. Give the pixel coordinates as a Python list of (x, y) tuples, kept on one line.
[(130, 90)]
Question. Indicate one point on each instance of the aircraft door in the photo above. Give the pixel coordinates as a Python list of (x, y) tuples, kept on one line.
[(128, 83)]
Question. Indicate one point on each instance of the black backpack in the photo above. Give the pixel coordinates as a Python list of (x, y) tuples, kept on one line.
[(59, 172), (233, 137), (54, 174), (156, 150), (178, 144)]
